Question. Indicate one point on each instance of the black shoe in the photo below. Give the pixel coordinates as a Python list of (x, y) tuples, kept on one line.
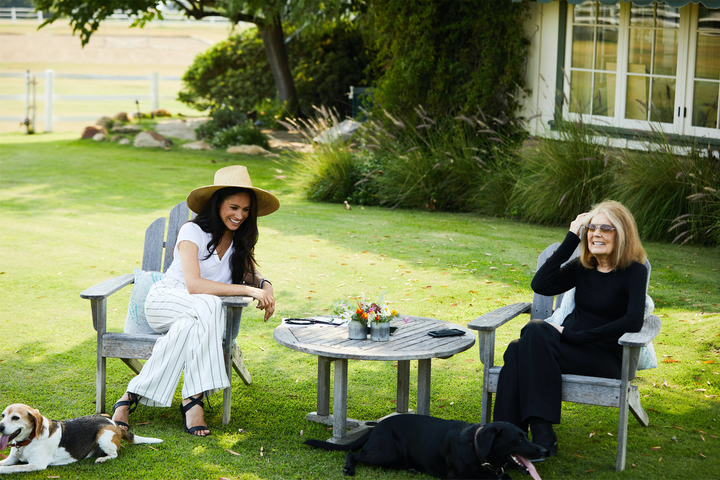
[(132, 404), (185, 408), (544, 435)]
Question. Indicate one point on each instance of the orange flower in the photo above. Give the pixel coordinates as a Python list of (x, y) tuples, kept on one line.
[(364, 315), (359, 311)]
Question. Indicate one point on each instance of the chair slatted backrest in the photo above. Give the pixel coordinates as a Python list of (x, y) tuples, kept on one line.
[(154, 235), (542, 306)]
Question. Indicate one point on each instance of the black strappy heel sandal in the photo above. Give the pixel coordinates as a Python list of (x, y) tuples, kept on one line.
[(185, 408), (132, 404)]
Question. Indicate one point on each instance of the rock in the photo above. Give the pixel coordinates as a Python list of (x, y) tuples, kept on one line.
[(126, 129), (149, 138), (199, 145), (124, 141), (247, 149), (342, 131), (116, 138), (99, 137), (161, 113), (90, 132), (184, 129), (140, 115), (105, 122), (122, 117)]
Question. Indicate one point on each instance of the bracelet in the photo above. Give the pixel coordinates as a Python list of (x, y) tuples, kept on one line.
[(264, 280)]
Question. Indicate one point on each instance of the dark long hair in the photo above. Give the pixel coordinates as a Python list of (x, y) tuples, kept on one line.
[(245, 237)]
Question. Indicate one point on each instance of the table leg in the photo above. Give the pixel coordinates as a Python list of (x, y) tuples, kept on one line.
[(403, 386), (227, 354), (323, 386), (423, 387), (340, 399)]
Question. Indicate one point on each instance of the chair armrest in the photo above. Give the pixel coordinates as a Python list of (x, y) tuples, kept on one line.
[(500, 316), (650, 329), (108, 287), (236, 301)]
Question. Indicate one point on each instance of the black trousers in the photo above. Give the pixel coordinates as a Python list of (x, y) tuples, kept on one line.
[(530, 383)]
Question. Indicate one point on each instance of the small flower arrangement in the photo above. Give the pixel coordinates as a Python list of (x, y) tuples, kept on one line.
[(364, 312)]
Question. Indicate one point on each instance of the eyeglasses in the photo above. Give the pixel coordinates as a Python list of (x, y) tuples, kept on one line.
[(604, 228)]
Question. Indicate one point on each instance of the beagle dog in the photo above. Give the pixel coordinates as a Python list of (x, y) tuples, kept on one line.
[(37, 441)]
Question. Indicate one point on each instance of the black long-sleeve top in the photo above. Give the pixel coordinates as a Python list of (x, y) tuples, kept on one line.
[(607, 305)]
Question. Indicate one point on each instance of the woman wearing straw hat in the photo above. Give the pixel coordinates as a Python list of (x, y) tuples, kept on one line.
[(214, 256)]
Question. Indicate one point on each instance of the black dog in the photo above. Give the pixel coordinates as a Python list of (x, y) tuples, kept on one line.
[(442, 448)]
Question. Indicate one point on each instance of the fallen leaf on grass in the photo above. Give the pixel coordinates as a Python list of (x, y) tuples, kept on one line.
[(593, 433), (143, 423), (708, 361), (262, 453), (703, 455), (700, 390), (670, 360), (588, 471), (150, 446), (703, 438), (579, 456), (678, 428), (53, 476), (654, 448), (234, 453)]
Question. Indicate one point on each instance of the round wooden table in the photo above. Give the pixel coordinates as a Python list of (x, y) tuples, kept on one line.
[(409, 342)]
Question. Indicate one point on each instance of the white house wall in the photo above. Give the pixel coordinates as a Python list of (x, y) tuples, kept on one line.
[(541, 29)]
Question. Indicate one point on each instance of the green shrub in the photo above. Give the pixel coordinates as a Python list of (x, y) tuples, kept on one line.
[(241, 134), (234, 73), (672, 191), (564, 176), (449, 56), (222, 119)]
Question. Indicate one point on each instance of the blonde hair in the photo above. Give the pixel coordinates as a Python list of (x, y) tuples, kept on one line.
[(628, 248)]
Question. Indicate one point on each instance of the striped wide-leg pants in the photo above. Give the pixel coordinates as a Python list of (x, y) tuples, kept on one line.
[(193, 327)]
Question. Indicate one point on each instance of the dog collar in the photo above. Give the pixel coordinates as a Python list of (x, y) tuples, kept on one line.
[(485, 464), (24, 442)]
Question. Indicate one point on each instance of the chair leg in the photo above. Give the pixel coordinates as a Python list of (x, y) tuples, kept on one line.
[(134, 365), (635, 407), (100, 385), (239, 366)]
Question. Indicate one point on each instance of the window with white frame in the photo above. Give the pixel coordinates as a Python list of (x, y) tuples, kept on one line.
[(628, 66)]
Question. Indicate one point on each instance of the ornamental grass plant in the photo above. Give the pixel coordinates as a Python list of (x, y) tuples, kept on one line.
[(672, 190), (563, 175)]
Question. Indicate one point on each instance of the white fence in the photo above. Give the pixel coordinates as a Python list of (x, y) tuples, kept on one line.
[(154, 94), (17, 13)]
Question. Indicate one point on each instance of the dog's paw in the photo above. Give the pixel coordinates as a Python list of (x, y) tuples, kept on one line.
[(349, 472)]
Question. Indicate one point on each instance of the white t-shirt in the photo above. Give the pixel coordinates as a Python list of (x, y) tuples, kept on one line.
[(211, 269)]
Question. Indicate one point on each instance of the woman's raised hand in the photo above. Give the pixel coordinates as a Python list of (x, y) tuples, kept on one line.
[(579, 221)]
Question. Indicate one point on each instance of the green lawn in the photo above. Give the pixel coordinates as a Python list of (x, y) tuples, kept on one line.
[(73, 213)]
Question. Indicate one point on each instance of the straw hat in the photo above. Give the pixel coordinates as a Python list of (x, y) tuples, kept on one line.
[(233, 176)]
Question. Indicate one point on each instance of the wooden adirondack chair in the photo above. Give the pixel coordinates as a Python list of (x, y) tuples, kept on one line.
[(131, 347), (606, 392)]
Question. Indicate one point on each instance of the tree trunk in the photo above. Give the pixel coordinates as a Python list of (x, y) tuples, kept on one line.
[(274, 43)]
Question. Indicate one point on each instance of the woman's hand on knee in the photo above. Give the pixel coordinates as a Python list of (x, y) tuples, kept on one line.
[(266, 301)]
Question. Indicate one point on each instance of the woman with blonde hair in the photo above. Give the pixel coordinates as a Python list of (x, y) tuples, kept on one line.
[(610, 280)]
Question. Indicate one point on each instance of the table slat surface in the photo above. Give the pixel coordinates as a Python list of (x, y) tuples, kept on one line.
[(409, 342)]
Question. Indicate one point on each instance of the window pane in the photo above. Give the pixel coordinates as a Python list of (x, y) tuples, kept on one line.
[(604, 97), (640, 54), (584, 13), (580, 92), (667, 17), (665, 52), (641, 15), (705, 104), (637, 97), (708, 54), (582, 47), (663, 100), (608, 14), (606, 48)]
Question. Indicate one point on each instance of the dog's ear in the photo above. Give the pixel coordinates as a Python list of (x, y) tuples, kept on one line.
[(35, 416), (485, 438)]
